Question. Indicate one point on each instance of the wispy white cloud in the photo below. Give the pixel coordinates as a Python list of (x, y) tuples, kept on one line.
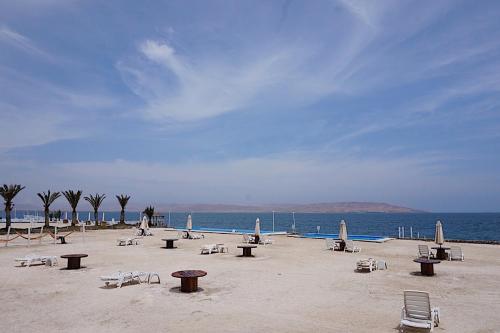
[(194, 89), (22, 42), (36, 111)]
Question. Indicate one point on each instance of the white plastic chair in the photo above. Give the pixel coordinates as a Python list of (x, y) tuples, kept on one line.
[(423, 252), (209, 249), (31, 259), (417, 311), (349, 247), (456, 253), (366, 264)]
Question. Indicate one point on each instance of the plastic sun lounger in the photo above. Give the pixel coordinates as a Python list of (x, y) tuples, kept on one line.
[(350, 247), (119, 278), (30, 259), (417, 311), (209, 249), (265, 240), (127, 241), (369, 264), (423, 252), (456, 253)]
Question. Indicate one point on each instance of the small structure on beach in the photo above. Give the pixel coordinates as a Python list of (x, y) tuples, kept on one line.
[(158, 220)]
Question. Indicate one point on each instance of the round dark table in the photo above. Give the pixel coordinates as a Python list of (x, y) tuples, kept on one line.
[(441, 252), (189, 279), (247, 249), (74, 260), (427, 265), (170, 242)]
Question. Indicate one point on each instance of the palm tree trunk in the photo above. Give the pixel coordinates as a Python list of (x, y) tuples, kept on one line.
[(46, 217), (96, 218), (73, 218), (7, 217), (122, 216)]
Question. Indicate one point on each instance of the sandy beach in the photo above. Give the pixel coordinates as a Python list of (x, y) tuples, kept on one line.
[(294, 285)]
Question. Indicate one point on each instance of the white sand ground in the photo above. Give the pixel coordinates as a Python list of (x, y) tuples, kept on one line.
[(294, 285)]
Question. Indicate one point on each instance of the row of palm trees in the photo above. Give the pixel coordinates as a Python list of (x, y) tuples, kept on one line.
[(9, 192)]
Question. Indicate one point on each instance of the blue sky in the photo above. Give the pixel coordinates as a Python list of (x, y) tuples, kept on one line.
[(252, 102)]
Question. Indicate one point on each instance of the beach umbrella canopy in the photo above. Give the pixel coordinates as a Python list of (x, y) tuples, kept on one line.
[(438, 236), (343, 231), (189, 224), (144, 223), (257, 227)]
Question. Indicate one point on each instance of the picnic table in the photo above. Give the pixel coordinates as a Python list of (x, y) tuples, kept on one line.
[(427, 265), (441, 252), (74, 260), (247, 249), (189, 279), (169, 242)]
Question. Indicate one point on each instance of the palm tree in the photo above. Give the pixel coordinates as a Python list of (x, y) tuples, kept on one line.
[(47, 200), (8, 192), (123, 200), (95, 202), (73, 198), (149, 211)]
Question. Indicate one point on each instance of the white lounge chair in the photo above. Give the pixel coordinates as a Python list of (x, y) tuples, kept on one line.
[(423, 252), (119, 278), (248, 238), (31, 259), (456, 253), (417, 311), (369, 264), (127, 241), (265, 240), (192, 235), (331, 244), (350, 247), (209, 249)]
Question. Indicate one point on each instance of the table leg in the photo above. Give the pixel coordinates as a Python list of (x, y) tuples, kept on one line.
[(73, 263), (427, 269), (189, 284), (247, 251)]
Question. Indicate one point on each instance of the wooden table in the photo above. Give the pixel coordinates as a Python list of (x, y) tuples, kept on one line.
[(427, 265), (189, 279), (441, 252), (74, 260), (170, 242), (247, 249)]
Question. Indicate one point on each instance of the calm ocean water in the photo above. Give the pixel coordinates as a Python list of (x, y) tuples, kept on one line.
[(466, 226)]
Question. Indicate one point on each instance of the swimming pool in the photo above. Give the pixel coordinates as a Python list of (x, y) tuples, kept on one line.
[(363, 238), (236, 231)]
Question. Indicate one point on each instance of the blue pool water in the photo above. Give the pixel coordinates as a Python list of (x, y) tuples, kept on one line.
[(223, 230), (352, 237)]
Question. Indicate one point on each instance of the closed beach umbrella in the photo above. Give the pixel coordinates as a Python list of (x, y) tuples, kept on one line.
[(343, 231), (144, 223), (439, 237), (257, 227), (189, 224), (89, 217)]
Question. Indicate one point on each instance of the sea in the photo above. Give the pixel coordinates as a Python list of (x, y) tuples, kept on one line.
[(460, 226)]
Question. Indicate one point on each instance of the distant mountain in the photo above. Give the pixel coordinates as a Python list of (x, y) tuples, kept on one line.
[(331, 207), (326, 207)]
